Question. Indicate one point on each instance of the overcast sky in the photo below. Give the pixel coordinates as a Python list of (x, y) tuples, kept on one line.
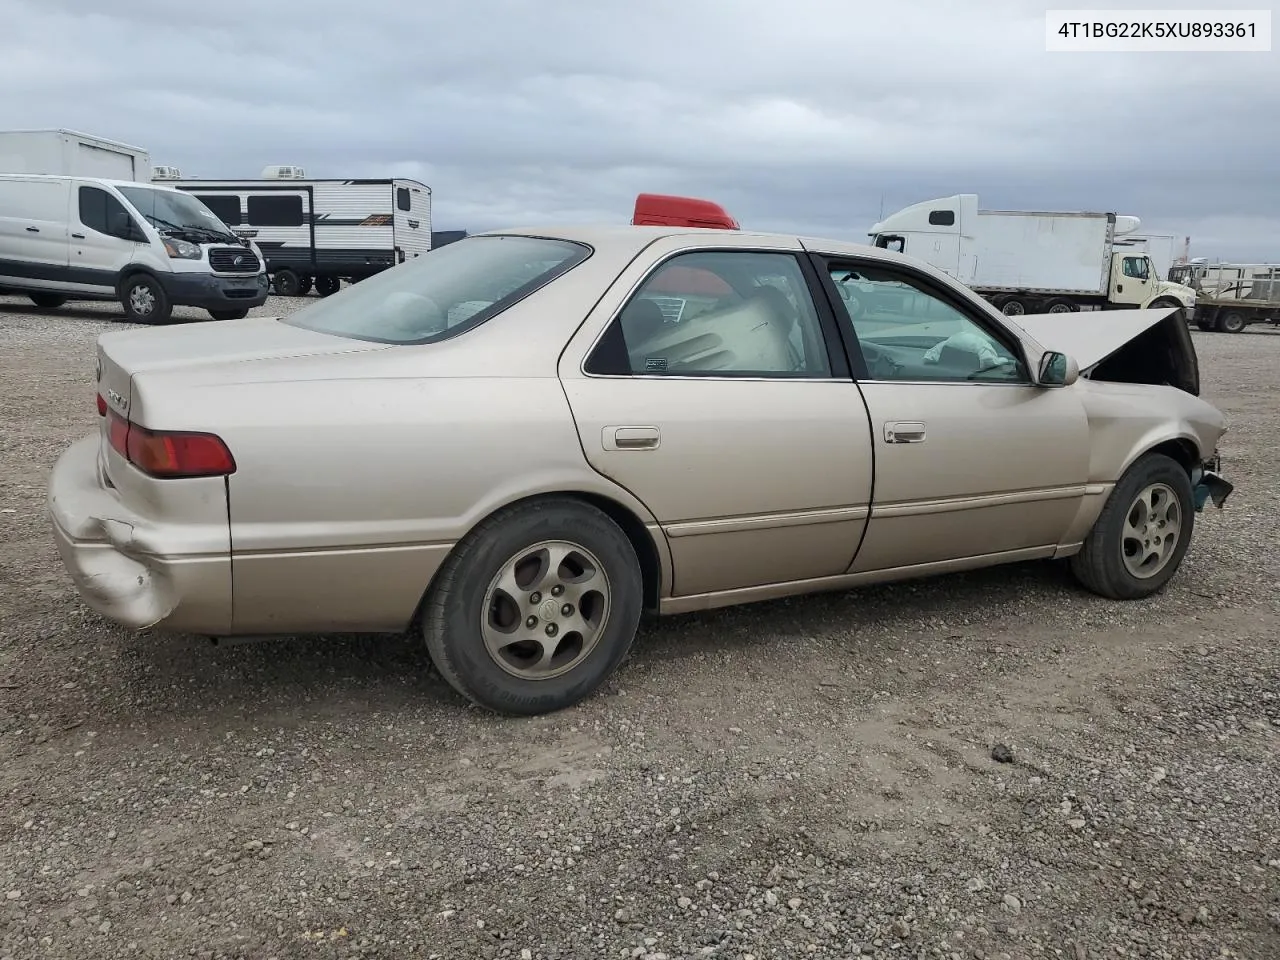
[(799, 115)]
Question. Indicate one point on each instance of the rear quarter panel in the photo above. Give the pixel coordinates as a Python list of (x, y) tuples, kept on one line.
[(356, 473)]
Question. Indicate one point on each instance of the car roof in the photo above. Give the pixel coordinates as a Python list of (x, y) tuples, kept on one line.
[(626, 235), (84, 179)]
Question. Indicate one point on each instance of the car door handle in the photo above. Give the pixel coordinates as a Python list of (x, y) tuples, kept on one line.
[(904, 431), (33, 229), (631, 438), (77, 236)]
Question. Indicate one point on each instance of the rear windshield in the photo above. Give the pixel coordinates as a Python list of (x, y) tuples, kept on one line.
[(449, 290)]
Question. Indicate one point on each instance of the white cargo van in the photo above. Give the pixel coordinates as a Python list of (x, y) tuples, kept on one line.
[(152, 248)]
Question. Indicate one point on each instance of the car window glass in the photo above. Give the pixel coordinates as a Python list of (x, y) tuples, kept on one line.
[(724, 313), (907, 333), (1135, 267), (101, 212)]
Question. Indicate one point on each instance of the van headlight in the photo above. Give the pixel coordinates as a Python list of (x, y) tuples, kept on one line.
[(182, 249)]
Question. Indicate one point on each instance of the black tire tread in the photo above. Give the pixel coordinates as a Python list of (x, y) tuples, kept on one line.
[(433, 620), (1095, 566)]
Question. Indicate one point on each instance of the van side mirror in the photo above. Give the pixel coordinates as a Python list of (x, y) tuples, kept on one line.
[(1057, 370)]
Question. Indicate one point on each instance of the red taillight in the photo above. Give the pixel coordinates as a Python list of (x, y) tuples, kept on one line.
[(169, 454), (102, 405)]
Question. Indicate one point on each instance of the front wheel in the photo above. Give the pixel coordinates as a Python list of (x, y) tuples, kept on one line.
[(144, 300), (1142, 533), (535, 608)]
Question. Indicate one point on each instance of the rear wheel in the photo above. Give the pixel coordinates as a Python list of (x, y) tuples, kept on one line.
[(1232, 321), (48, 301), (1058, 305), (287, 283), (1142, 533), (305, 286), (1013, 307), (229, 314), (144, 300), (535, 608), (327, 286)]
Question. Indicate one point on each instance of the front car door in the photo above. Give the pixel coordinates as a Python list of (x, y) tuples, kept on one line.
[(973, 461), (710, 384), (1131, 283), (101, 227)]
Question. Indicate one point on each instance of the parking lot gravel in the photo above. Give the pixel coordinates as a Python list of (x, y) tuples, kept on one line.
[(993, 765)]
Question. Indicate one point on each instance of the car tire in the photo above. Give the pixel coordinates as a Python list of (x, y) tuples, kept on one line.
[(473, 626), (144, 300), (1103, 565), (48, 301), (1232, 322), (1013, 307), (1059, 305), (239, 314), (327, 286), (305, 285), (287, 283)]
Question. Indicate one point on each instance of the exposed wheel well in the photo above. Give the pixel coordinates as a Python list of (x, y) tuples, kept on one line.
[(646, 550), (1183, 451)]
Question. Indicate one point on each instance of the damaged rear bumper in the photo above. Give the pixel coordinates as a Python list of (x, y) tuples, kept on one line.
[(1208, 484)]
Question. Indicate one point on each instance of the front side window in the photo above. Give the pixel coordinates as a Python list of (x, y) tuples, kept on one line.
[(906, 332), (717, 313), (442, 293), (103, 213), (1136, 267)]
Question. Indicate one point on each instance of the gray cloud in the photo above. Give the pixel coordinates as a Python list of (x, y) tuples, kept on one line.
[(802, 116)]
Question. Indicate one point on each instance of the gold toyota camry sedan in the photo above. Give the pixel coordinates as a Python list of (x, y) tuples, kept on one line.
[(523, 440)]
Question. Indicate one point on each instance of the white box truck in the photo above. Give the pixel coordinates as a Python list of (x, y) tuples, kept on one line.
[(1032, 261), (66, 153)]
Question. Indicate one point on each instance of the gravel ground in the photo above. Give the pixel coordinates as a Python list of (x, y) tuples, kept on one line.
[(807, 778)]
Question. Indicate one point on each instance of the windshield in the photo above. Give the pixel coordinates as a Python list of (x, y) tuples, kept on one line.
[(173, 211), (451, 289)]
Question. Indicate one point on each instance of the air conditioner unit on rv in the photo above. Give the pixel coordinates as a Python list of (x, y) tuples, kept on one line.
[(283, 173), (165, 173)]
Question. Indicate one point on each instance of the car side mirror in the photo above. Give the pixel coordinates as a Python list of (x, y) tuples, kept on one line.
[(1057, 370)]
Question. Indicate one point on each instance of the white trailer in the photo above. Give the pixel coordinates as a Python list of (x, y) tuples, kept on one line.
[(67, 153), (1032, 261), (319, 231)]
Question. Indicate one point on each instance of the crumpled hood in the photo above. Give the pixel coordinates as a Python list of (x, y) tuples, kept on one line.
[(1089, 336), (1125, 346)]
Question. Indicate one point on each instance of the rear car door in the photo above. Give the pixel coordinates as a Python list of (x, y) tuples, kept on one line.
[(33, 232), (705, 382), (973, 459)]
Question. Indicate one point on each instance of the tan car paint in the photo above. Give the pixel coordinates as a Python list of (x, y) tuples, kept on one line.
[(360, 465)]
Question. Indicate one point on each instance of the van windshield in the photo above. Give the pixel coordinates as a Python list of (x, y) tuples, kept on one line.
[(450, 290), (172, 211)]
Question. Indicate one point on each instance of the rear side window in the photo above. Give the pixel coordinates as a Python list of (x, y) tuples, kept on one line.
[(402, 198), (444, 293), (102, 212), (227, 208), (275, 211), (942, 218)]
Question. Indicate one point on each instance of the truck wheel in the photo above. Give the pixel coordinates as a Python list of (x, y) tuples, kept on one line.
[(535, 608), (1058, 305), (327, 286), (286, 283), (229, 314), (48, 301), (144, 300), (1232, 322), (306, 284), (1142, 532), (1013, 307)]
